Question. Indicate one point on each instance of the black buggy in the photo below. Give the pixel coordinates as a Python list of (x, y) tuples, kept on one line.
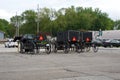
[(30, 43), (86, 42), (67, 40)]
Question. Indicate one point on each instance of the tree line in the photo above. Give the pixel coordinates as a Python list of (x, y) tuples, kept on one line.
[(52, 21)]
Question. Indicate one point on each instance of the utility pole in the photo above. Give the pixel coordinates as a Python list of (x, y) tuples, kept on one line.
[(17, 25), (38, 18)]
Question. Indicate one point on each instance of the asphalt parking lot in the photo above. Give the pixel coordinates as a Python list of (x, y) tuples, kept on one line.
[(103, 65)]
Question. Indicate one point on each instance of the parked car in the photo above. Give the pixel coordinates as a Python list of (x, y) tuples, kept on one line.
[(97, 42), (11, 43), (106, 43), (111, 43), (115, 43)]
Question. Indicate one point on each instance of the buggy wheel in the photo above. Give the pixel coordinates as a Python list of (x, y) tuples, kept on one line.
[(32, 47), (82, 47), (66, 48), (87, 48), (95, 48), (27, 50), (78, 48)]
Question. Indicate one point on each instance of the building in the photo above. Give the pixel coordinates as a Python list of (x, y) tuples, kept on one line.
[(107, 34), (111, 34), (1, 35)]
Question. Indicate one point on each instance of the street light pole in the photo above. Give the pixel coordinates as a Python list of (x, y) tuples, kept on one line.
[(38, 18), (17, 25)]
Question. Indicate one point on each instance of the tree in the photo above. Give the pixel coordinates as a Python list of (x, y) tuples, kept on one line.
[(101, 21), (7, 28), (29, 23), (117, 24), (72, 18), (10, 31), (3, 25)]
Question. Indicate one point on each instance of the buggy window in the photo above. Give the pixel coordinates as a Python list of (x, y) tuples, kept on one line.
[(29, 36)]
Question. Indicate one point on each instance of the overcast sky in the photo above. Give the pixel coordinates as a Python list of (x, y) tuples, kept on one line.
[(8, 8)]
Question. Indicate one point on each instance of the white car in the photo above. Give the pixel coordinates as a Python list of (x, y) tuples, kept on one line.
[(11, 43)]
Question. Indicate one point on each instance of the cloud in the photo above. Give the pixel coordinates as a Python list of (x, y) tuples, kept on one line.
[(8, 8), (5, 15)]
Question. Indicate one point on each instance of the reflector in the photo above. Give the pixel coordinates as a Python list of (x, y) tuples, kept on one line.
[(74, 39), (87, 39), (41, 38)]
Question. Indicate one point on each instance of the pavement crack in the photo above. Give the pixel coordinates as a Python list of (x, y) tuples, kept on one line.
[(68, 70)]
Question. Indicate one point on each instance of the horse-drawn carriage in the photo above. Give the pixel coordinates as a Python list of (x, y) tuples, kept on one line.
[(66, 40), (30, 43)]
